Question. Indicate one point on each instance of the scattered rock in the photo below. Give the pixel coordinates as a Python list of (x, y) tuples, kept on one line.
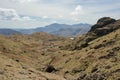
[(111, 42), (17, 60), (82, 68), (111, 54), (23, 73), (98, 46), (1, 72), (84, 45), (117, 70), (114, 59), (67, 60), (50, 69), (9, 65), (82, 76), (116, 48), (94, 70), (95, 76), (24, 67), (107, 67)]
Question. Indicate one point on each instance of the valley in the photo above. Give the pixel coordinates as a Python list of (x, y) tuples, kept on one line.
[(42, 56)]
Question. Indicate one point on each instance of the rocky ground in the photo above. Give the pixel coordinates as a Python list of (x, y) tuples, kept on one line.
[(41, 56)]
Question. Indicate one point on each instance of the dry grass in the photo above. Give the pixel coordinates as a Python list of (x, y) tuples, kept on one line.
[(38, 50)]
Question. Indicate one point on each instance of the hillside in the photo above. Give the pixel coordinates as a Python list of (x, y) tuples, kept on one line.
[(92, 56), (15, 70), (22, 53)]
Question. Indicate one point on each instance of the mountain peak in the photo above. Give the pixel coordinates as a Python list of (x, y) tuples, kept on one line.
[(106, 19), (102, 22)]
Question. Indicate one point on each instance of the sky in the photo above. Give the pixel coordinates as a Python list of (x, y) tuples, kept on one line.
[(38, 13)]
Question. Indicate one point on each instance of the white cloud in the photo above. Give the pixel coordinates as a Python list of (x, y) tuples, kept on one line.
[(23, 1), (75, 19), (60, 16), (11, 14), (54, 21), (26, 18), (8, 14), (63, 11), (78, 10), (45, 17)]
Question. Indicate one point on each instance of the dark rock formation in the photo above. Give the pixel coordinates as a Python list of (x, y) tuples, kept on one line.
[(104, 26), (50, 69), (102, 22)]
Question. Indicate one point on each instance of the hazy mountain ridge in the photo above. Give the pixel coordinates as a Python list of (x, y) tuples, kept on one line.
[(56, 29), (9, 32)]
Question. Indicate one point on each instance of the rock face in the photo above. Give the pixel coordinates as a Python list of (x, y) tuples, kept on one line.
[(104, 26), (102, 23)]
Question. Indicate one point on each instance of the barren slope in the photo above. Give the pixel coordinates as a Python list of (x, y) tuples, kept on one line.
[(93, 56)]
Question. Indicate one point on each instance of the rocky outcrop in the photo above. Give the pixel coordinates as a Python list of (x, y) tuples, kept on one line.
[(102, 23), (104, 26)]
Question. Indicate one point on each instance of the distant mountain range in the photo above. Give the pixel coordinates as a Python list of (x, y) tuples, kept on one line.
[(9, 32), (55, 28), (60, 29)]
